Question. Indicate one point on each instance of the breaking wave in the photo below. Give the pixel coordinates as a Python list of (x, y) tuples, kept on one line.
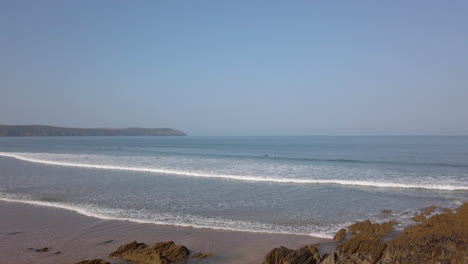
[(188, 173)]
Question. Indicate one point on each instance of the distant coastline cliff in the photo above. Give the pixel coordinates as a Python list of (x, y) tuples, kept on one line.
[(51, 131)]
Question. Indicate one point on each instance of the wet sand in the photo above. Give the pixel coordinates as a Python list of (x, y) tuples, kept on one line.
[(79, 237)]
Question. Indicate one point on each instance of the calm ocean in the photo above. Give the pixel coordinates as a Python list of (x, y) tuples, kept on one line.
[(299, 185)]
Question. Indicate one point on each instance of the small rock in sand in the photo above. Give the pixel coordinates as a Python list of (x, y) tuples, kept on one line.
[(106, 242), (14, 233), (42, 249), (201, 255), (93, 261)]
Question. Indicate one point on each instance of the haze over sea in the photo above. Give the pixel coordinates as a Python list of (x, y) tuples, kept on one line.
[(310, 185)]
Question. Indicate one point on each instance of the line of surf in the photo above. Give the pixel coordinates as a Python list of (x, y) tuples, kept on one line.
[(376, 184), (273, 157), (83, 211)]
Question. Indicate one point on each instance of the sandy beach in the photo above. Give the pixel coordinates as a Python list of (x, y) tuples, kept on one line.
[(233, 132), (78, 237)]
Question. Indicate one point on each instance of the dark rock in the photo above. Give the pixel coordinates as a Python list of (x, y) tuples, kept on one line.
[(127, 247), (283, 255), (447, 210), (14, 233), (159, 253), (442, 238), (340, 235), (93, 261), (419, 218), (42, 249), (366, 245), (200, 255), (106, 242), (429, 210), (386, 211), (426, 212)]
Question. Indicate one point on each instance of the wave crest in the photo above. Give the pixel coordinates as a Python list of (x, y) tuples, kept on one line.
[(378, 184)]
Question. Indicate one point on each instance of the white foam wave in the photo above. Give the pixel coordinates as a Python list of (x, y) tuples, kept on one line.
[(90, 212), (378, 184)]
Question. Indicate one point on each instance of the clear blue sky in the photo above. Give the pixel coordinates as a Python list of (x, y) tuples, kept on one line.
[(237, 67)]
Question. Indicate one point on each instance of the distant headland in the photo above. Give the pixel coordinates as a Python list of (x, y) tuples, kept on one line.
[(52, 131)]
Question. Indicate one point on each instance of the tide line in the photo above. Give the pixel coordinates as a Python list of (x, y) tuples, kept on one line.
[(87, 212)]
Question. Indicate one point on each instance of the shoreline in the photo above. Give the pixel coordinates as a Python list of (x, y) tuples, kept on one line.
[(78, 237), (98, 216)]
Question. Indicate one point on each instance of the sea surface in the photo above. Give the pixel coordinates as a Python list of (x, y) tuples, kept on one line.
[(294, 185)]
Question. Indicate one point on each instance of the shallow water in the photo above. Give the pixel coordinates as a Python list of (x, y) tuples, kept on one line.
[(299, 185)]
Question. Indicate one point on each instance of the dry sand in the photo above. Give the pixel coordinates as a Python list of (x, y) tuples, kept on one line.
[(79, 237)]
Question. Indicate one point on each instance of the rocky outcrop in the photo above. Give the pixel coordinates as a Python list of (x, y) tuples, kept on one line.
[(93, 261), (340, 235), (419, 218), (426, 212), (364, 246), (127, 248), (282, 255), (443, 238), (429, 210), (159, 253)]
